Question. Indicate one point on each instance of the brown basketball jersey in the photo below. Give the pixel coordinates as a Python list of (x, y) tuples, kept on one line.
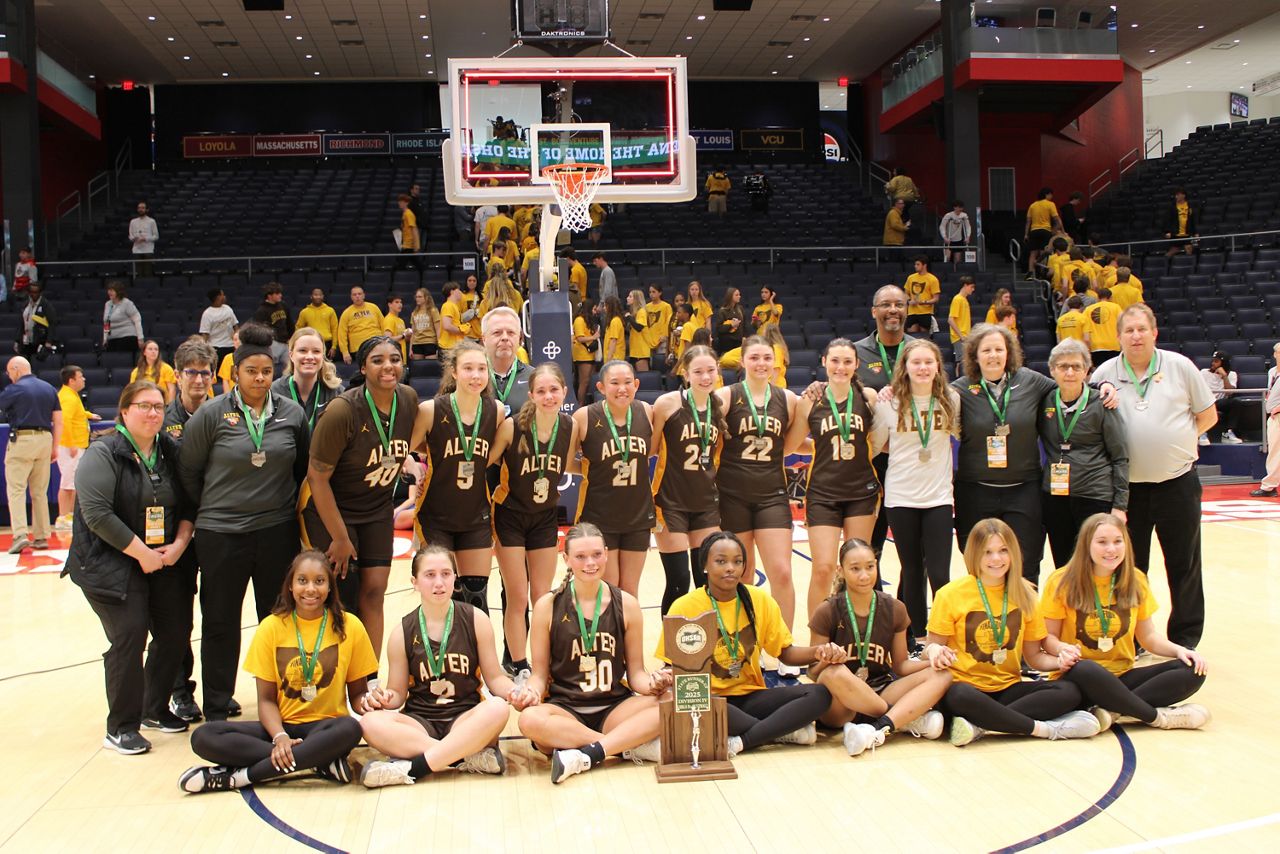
[(831, 618), (841, 471), (456, 497), (345, 437), (603, 683), (751, 465), (461, 690), (685, 476), (518, 487), (615, 494)]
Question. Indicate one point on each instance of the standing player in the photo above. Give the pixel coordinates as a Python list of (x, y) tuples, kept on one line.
[(539, 443), (616, 434), (357, 452), (687, 426), (310, 379)]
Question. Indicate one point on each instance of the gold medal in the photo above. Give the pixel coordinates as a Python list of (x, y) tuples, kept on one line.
[(541, 490), (587, 663), (439, 686), (1105, 644), (308, 692), (924, 455), (258, 458), (847, 450), (1000, 655), (863, 673)]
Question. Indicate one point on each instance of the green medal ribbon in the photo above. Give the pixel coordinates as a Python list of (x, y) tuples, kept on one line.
[(315, 405), (1152, 370), (617, 440), (1002, 410), (758, 414), (1104, 622), (435, 663), (730, 641), (845, 423), (862, 646), (884, 359), (468, 444), (588, 638), (1066, 428), (309, 665), (256, 428), (503, 394), (703, 427), (997, 629), (149, 462), (924, 426), (391, 425), (551, 443)]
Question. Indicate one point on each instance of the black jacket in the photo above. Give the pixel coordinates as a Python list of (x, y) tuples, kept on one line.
[(1171, 219)]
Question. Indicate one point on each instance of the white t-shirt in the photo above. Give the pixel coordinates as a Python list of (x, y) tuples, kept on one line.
[(217, 323), (483, 213), (1215, 382), (910, 481), (144, 227)]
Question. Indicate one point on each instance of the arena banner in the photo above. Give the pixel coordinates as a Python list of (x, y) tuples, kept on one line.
[(286, 145), (225, 145), (630, 148), (356, 143), (427, 142), (713, 140), (773, 139)]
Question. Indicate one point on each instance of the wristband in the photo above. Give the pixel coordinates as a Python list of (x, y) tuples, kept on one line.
[(277, 736)]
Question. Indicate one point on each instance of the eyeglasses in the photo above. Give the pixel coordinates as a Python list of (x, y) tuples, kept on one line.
[(898, 305), (1068, 368), (202, 375), (148, 408)]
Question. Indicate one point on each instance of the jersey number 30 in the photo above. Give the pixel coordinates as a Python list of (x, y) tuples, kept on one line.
[(600, 679)]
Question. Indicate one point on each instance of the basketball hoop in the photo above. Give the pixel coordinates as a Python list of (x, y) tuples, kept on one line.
[(575, 185)]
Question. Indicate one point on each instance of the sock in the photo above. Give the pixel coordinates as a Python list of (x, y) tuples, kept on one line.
[(521, 664), (418, 767), (699, 574), (474, 590), (240, 778), (883, 722), (676, 567), (595, 752), (1041, 729)]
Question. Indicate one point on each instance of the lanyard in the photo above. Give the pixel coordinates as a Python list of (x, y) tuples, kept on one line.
[(861, 646), (760, 414), (1068, 429), (588, 638), (730, 641), (435, 662), (1152, 370), (309, 665), (1104, 621), (884, 359), (256, 428), (503, 393), (613, 428), (391, 424), (703, 428), (149, 462), (997, 629), (924, 426), (315, 403), (468, 445), (844, 423), (551, 443), (1002, 410)]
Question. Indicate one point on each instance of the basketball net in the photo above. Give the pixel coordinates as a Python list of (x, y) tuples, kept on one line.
[(575, 185)]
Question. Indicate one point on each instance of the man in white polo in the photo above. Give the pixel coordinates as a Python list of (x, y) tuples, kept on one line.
[(1271, 405), (1165, 404)]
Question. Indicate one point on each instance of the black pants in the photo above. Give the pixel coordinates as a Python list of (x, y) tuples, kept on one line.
[(142, 263), (247, 744), (1172, 510), (407, 257), (228, 562), (923, 540), (223, 352), (1230, 410), (1015, 709), (1100, 356), (154, 603), (184, 683), (762, 716), (123, 345), (1136, 693), (1017, 506), (1063, 515), (880, 462)]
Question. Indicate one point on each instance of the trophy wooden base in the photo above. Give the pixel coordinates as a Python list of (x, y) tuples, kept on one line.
[(676, 735), (710, 769)]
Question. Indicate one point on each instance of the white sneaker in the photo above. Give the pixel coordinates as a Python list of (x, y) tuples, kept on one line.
[(391, 772), (566, 763), (1190, 716), (805, 735), (858, 737), (1073, 725), (487, 761), (963, 732), (789, 671), (63, 523), (650, 751), (735, 745), (1204, 439), (1105, 718), (928, 725), (1230, 438)]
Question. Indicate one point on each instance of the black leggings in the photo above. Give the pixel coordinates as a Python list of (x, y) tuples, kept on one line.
[(1136, 693), (1014, 709), (247, 744), (923, 540), (676, 567), (762, 716)]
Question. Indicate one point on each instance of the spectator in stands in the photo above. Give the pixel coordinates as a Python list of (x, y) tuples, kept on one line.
[(495, 224), (1100, 332), (1181, 220), (410, 236), (1166, 405), (415, 204), (586, 348), (614, 338), (577, 275), (508, 376), (634, 318), (310, 379), (729, 321), (1222, 381), (143, 234), (1072, 221), (25, 272), (471, 296), (318, 315), (424, 322), (1072, 322), (274, 314), (225, 373), (682, 328), (479, 223), (499, 291), (30, 407), (359, 321), (717, 187), (156, 370), (956, 230), (657, 321), (393, 325), (608, 279), (121, 321), (923, 292), (768, 311), (895, 228), (959, 317), (1271, 407), (218, 322), (74, 440), (39, 322), (504, 250), (1003, 298), (1042, 221), (452, 327), (1123, 293), (1080, 288), (1007, 316), (1056, 264), (901, 187), (1087, 450), (702, 311)]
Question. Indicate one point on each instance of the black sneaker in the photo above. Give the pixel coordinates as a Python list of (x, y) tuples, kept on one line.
[(183, 705), (129, 743), (233, 709), (166, 721), (339, 770), (206, 778)]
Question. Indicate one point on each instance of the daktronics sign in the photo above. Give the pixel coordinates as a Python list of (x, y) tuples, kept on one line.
[(238, 145), (286, 145)]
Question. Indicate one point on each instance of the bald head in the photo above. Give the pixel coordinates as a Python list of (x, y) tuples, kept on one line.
[(18, 368)]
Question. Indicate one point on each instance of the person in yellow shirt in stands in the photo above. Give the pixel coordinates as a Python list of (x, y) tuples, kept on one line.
[(225, 373), (322, 318), (359, 322), (1056, 262), (1101, 332), (657, 320), (151, 367), (393, 324), (1107, 276), (1002, 299), (410, 236), (598, 215), (638, 349), (1123, 292), (1042, 221), (502, 219), (960, 318), (683, 327), (895, 226), (471, 296), (769, 311), (614, 337), (523, 218), (504, 251), (717, 187), (531, 258), (1072, 323), (923, 292), (702, 310), (1181, 221), (577, 275), (73, 441), (1134, 281)]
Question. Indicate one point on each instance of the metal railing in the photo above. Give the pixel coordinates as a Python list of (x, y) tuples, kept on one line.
[(62, 211), (1128, 160), (1100, 183), (265, 263), (1183, 241), (1154, 141)]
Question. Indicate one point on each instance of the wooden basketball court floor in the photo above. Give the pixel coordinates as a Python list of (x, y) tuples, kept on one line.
[(1132, 789)]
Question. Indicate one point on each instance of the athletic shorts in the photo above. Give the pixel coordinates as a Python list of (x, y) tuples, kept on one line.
[(517, 529), (67, 466), (593, 716), (374, 541), (627, 541), (738, 516), (424, 349), (438, 728), (833, 513), (459, 541), (1039, 238), (675, 521)]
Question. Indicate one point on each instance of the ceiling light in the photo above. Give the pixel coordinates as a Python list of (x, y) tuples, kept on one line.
[(1134, 26), (1201, 27), (429, 71), (791, 56), (298, 38), (1188, 62), (225, 74), (1244, 63), (424, 38), (1188, 85), (427, 55), (702, 17), (773, 72), (92, 77), (170, 38), (826, 20), (288, 17), (308, 56), (316, 73), (151, 17), (806, 38), (1235, 41), (422, 17), (688, 38), (1151, 50)]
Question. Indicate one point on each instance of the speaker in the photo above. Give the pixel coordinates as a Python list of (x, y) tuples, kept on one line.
[(264, 5), (1046, 16), (1084, 20), (731, 5)]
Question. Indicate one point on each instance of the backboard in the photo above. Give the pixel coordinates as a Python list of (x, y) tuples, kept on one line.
[(512, 116)]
